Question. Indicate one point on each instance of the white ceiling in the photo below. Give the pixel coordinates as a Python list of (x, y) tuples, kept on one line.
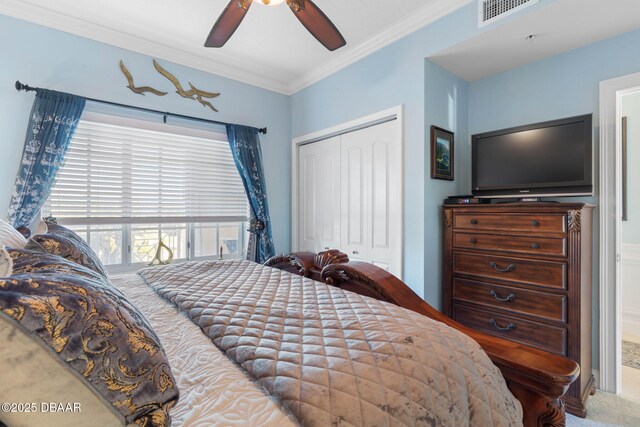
[(561, 26), (271, 49)]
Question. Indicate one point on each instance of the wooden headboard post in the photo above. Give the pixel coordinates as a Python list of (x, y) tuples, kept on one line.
[(536, 378)]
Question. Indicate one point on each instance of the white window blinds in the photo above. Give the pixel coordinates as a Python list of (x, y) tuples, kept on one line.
[(140, 172)]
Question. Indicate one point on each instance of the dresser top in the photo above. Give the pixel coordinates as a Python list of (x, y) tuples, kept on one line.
[(515, 206)]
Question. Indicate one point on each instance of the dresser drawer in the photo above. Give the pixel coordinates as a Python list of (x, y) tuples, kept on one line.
[(534, 245), (543, 337), (532, 272), (515, 300), (543, 223)]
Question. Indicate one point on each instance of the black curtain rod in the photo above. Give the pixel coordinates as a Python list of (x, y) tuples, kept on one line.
[(27, 88)]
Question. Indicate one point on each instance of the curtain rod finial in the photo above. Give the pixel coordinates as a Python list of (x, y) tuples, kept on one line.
[(263, 131), (22, 86)]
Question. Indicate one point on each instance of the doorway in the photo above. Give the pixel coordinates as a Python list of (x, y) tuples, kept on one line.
[(618, 193), (629, 119)]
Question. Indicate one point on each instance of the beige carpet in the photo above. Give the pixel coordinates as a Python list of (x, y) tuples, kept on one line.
[(606, 409)]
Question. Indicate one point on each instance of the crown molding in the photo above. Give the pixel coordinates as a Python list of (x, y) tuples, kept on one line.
[(420, 19), (223, 64)]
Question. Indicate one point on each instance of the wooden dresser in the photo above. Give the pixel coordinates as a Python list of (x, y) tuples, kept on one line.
[(522, 271)]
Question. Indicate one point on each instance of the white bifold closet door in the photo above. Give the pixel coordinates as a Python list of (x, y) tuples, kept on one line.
[(319, 186), (350, 195)]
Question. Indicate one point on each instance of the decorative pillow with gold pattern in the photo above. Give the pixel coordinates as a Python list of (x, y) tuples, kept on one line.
[(36, 261), (72, 249), (95, 331)]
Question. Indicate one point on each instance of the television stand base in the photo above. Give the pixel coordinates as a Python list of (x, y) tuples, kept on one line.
[(524, 200), (529, 199)]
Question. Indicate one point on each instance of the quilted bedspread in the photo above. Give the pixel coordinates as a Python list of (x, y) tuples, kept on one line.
[(336, 358)]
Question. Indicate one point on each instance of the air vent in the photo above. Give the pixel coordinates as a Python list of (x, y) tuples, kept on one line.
[(493, 10)]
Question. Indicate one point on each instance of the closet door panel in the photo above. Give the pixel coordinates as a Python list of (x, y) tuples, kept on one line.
[(383, 173), (350, 195), (380, 230), (380, 196), (329, 209), (356, 198), (309, 236), (319, 195)]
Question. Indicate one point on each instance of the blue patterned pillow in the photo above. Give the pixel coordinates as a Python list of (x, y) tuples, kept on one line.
[(67, 244), (95, 331), (55, 228), (37, 261)]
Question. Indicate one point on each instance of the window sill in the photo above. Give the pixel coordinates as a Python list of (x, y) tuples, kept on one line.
[(115, 270)]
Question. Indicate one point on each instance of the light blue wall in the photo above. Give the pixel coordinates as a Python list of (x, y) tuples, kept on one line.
[(631, 227), (39, 56), (397, 75), (446, 100), (561, 86), (564, 85)]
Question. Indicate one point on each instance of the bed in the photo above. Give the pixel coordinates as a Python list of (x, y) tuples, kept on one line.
[(233, 383), (538, 379), (216, 391), (213, 390)]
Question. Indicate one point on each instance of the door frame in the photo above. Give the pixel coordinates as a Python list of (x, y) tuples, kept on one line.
[(611, 92), (394, 113)]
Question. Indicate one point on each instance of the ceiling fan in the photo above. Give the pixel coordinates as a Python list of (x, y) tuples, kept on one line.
[(313, 19)]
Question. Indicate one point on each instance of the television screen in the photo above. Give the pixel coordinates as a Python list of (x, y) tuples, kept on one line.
[(543, 159)]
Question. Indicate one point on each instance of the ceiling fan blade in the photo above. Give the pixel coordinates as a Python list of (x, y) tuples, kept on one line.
[(317, 23), (228, 23)]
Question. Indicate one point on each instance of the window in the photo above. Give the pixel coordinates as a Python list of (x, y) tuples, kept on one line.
[(128, 183)]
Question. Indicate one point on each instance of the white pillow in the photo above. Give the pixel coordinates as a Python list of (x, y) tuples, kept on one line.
[(6, 263), (10, 237), (32, 373), (41, 228)]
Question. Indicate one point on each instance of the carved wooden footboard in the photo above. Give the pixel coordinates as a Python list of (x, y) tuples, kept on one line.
[(536, 378)]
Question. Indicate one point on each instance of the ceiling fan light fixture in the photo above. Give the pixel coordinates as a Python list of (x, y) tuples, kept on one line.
[(271, 2)]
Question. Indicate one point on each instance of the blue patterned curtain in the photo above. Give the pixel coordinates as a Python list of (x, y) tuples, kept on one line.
[(245, 146), (53, 121)]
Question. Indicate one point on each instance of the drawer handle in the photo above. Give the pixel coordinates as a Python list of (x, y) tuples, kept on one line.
[(474, 241), (509, 268), (535, 223), (509, 298), (474, 221), (510, 326), (535, 246)]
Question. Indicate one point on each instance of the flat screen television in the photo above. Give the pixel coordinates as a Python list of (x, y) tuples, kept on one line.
[(547, 159)]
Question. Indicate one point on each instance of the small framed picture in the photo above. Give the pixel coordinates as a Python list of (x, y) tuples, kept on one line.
[(441, 153)]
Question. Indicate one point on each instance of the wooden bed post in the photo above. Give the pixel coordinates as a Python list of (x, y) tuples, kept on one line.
[(536, 378)]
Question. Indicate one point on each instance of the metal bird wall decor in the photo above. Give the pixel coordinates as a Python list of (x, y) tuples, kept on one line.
[(193, 93), (135, 89)]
